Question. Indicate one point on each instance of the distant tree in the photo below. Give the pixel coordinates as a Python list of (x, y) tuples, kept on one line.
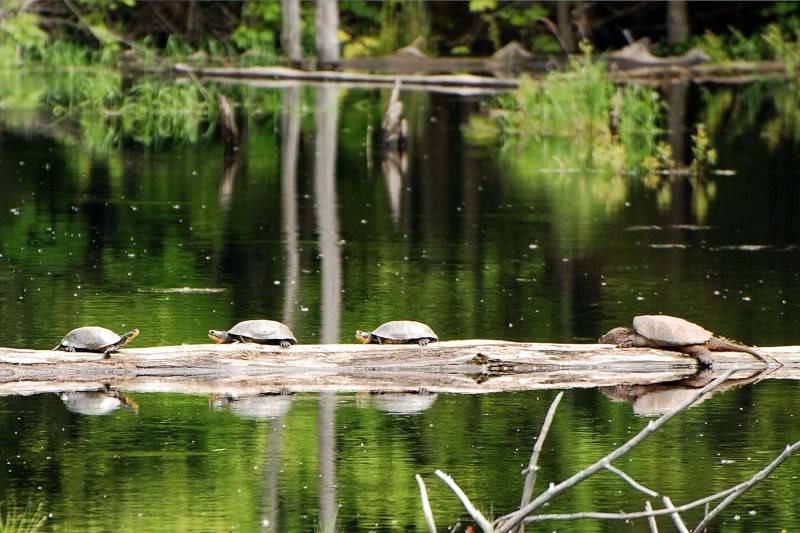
[(290, 31), (327, 38), (677, 21)]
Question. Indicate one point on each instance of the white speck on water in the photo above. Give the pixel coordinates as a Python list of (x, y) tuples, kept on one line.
[(363, 220), (737, 517), (276, 282), (511, 324), (304, 309), (176, 206), (746, 298), (533, 246)]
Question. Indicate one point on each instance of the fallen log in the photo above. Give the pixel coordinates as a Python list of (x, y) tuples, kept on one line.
[(465, 366)]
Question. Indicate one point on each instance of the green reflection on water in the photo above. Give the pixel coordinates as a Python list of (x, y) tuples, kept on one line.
[(469, 242)]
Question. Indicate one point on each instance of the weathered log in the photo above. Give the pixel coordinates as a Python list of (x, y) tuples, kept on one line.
[(467, 366)]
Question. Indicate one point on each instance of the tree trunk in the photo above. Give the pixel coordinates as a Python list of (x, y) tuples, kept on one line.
[(677, 21), (290, 31), (327, 25), (564, 21)]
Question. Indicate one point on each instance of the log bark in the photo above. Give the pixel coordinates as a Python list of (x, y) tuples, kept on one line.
[(466, 366), (733, 72)]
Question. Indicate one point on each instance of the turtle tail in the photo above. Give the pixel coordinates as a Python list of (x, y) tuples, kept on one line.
[(721, 344)]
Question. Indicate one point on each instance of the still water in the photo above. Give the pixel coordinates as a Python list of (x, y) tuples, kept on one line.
[(306, 223)]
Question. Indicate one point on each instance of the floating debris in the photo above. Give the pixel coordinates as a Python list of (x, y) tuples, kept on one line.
[(185, 290), (689, 227), (667, 246), (742, 247)]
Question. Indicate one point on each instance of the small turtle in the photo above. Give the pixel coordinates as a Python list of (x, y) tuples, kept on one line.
[(95, 339), (399, 332), (671, 333), (258, 331)]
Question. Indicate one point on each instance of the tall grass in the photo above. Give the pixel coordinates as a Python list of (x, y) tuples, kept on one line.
[(611, 128)]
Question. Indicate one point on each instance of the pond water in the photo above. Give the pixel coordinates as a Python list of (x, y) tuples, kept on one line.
[(306, 223)]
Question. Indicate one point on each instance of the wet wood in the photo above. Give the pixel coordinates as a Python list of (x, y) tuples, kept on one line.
[(467, 366), (414, 78)]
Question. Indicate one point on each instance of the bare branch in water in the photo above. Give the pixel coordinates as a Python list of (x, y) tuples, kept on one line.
[(676, 518), (476, 515), (651, 520), (426, 505), (513, 519), (632, 482)]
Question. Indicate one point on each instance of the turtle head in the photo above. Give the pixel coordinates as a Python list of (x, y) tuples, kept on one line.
[(220, 337), (615, 336), (363, 336), (128, 337)]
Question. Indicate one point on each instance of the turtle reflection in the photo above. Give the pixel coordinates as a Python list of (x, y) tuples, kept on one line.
[(661, 398), (402, 403), (97, 403), (257, 406)]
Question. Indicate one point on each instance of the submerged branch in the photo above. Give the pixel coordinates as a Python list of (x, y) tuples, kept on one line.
[(630, 481), (476, 515), (516, 518), (426, 504), (530, 477), (744, 487)]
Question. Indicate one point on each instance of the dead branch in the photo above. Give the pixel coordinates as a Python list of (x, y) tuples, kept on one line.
[(530, 477), (426, 505), (630, 481), (476, 515), (651, 520), (676, 518), (513, 519)]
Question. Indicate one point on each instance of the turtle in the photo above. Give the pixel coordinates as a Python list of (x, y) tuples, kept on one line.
[(672, 333), (257, 331), (95, 339), (399, 332)]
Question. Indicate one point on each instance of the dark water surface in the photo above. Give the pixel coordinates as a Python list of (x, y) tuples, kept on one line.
[(307, 225)]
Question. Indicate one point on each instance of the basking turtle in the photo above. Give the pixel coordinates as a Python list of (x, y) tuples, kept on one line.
[(671, 333), (258, 331), (399, 332), (95, 339)]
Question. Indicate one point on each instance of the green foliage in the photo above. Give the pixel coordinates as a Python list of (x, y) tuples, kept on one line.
[(260, 27), (28, 520), (519, 19), (611, 128), (780, 42), (22, 29)]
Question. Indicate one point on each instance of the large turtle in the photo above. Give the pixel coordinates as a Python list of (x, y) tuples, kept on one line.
[(399, 332), (672, 333), (258, 331), (95, 339)]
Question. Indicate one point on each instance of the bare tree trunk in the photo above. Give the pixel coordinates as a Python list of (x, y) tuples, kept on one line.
[(327, 25), (677, 21), (290, 31), (564, 21)]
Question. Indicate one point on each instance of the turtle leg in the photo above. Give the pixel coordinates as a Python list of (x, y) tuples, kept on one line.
[(634, 340), (699, 352), (423, 342), (721, 344), (285, 344)]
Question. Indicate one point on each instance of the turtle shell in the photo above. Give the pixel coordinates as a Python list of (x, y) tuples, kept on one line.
[(670, 331), (92, 338), (263, 330), (404, 330)]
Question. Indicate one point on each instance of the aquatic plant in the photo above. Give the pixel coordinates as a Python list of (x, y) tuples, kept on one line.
[(610, 129), (28, 520)]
